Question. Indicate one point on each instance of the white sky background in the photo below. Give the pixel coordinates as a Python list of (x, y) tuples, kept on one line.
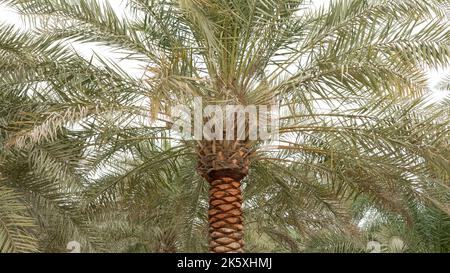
[(10, 16)]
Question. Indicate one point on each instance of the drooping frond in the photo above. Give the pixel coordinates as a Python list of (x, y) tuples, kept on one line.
[(16, 224)]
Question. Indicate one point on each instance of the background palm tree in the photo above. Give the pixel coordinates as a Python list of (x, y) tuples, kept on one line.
[(39, 184), (347, 78)]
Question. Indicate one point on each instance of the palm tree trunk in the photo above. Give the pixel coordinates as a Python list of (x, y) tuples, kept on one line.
[(225, 216)]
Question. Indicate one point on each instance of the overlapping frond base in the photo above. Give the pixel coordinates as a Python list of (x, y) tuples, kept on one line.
[(223, 159), (225, 216)]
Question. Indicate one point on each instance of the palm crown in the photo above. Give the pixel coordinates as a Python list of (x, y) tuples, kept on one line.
[(348, 79)]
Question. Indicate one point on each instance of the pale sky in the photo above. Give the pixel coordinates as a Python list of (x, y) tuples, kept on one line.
[(9, 16)]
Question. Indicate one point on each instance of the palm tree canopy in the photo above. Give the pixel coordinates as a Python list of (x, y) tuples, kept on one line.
[(349, 79)]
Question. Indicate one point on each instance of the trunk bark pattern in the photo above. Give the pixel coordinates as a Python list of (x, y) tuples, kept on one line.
[(225, 216)]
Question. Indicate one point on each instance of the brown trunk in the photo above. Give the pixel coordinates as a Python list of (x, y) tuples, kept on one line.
[(225, 216)]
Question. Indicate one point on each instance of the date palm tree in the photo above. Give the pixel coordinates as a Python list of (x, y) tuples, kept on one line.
[(346, 77)]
